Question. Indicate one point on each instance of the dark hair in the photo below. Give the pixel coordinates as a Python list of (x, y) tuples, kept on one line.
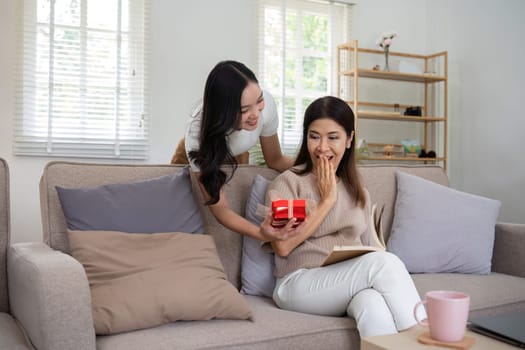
[(339, 111), (221, 113)]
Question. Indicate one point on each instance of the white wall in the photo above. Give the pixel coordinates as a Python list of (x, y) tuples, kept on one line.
[(486, 83), (189, 37), (371, 19)]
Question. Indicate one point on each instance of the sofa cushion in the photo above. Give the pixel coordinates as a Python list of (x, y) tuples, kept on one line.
[(439, 229), (163, 204), (257, 265), (489, 294), (272, 328), (11, 336), (144, 280)]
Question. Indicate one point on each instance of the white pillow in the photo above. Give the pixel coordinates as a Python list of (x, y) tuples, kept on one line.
[(439, 229)]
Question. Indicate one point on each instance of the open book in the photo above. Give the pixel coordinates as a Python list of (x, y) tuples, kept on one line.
[(340, 253)]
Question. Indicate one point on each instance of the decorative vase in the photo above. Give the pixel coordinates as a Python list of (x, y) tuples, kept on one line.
[(386, 68)]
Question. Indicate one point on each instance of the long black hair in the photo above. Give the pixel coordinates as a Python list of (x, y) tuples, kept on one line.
[(339, 111), (221, 115)]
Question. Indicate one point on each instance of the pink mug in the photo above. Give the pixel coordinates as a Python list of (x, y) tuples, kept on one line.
[(447, 314)]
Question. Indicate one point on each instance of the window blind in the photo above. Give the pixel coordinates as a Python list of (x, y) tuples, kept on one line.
[(297, 56), (82, 79)]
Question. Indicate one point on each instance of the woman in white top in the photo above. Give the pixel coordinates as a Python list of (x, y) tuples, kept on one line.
[(235, 114), (239, 141)]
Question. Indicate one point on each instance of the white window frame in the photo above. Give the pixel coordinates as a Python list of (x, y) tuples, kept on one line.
[(340, 25), (69, 101)]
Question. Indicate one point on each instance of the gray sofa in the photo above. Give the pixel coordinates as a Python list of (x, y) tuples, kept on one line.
[(12, 336), (50, 295)]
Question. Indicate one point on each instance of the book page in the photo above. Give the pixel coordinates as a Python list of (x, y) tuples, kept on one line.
[(340, 253), (376, 225)]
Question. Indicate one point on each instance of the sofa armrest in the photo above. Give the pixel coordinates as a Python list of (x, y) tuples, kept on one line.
[(49, 295), (509, 249)]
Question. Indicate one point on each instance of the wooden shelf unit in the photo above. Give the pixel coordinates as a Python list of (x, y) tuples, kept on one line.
[(348, 57)]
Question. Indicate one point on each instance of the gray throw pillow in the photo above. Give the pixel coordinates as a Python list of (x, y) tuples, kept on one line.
[(257, 265), (439, 229), (162, 204)]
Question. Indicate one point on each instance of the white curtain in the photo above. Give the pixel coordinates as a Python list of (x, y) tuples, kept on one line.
[(83, 79)]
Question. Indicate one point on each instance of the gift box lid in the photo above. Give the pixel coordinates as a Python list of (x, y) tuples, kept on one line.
[(287, 209)]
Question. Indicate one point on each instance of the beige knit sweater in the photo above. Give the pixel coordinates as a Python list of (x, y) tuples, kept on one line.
[(345, 224)]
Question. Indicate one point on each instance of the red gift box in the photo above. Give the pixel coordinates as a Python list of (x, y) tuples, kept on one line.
[(284, 210)]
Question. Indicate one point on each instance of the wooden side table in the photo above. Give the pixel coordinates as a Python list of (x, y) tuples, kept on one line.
[(408, 341)]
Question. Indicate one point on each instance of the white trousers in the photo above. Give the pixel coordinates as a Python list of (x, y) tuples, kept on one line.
[(374, 288)]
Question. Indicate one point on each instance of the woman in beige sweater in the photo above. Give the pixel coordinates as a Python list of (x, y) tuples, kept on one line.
[(374, 288)]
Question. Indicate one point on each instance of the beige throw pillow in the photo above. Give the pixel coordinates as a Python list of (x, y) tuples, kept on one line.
[(144, 280)]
